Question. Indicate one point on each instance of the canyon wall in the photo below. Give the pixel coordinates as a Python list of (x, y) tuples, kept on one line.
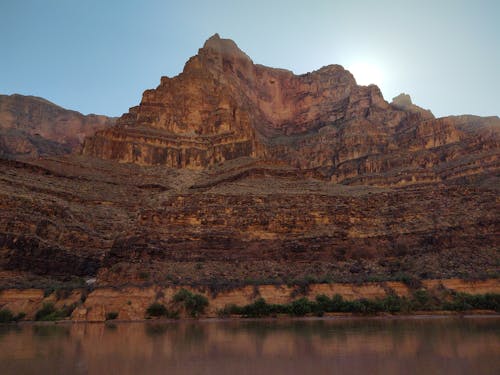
[(31, 127), (233, 174)]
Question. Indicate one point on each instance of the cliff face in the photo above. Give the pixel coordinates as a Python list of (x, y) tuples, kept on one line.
[(233, 171), (224, 107), (32, 127)]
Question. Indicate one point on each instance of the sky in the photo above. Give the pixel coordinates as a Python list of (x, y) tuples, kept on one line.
[(98, 56)]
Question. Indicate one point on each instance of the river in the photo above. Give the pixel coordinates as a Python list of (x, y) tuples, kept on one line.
[(417, 345)]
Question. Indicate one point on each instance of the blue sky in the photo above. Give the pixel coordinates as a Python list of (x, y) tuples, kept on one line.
[(98, 56)]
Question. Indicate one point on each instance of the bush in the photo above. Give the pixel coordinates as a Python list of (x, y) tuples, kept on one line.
[(49, 313), (111, 315), (464, 302), (301, 307), (229, 310), (393, 303), (20, 316), (46, 311), (259, 309), (322, 303), (335, 304), (422, 300), (6, 316), (156, 309), (489, 301), (194, 304)]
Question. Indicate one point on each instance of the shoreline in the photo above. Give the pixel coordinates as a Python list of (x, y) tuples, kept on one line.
[(339, 317), (423, 315), (436, 297)]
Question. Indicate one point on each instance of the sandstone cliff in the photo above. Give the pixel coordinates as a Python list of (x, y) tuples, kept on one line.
[(234, 173), (224, 107), (32, 127), (403, 101)]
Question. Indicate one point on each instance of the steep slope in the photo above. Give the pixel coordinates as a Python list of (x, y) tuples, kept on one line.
[(75, 216), (223, 107), (32, 127), (235, 173)]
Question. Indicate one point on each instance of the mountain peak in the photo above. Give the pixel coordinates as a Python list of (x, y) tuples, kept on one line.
[(224, 47), (403, 101)]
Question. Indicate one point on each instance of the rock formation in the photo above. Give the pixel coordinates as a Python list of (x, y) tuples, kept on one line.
[(224, 107), (233, 172), (403, 101), (32, 127)]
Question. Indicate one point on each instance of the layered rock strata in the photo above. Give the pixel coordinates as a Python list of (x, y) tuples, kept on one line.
[(31, 127), (224, 107), (233, 173)]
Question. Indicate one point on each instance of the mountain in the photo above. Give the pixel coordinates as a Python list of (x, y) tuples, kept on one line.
[(223, 107), (234, 173), (31, 127)]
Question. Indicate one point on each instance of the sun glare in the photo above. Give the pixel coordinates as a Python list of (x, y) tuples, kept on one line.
[(366, 74)]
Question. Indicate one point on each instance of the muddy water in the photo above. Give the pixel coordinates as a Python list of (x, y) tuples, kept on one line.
[(331, 346)]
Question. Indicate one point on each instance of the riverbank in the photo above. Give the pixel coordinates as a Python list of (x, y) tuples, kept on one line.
[(136, 303)]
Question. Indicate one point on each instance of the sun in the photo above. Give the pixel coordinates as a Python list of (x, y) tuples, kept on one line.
[(366, 74)]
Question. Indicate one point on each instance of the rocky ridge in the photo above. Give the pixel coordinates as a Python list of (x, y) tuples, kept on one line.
[(31, 127), (224, 107)]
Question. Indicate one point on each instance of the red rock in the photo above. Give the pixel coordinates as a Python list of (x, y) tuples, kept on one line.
[(224, 107), (234, 171), (32, 127)]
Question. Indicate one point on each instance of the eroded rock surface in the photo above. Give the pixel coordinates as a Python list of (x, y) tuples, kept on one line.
[(224, 107), (31, 127), (234, 173)]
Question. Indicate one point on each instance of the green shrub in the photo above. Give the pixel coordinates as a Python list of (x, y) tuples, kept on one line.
[(6, 316), (335, 304), (111, 315), (464, 302), (489, 301), (20, 316), (156, 309), (229, 310), (48, 313), (301, 307), (258, 309), (47, 310), (195, 304), (392, 303), (323, 302), (422, 300)]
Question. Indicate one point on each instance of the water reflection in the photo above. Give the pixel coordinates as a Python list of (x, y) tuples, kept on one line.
[(343, 346)]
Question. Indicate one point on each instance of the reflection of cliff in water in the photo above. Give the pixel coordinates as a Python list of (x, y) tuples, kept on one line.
[(438, 345)]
